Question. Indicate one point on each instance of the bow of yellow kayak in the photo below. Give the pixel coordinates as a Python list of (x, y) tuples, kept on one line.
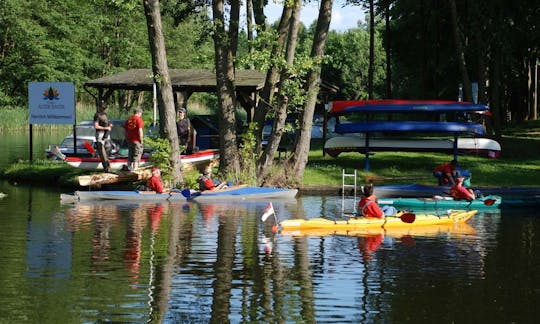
[(357, 223)]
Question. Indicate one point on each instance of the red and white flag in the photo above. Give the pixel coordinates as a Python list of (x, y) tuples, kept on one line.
[(268, 211)]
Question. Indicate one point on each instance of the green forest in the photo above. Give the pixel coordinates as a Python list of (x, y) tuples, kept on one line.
[(485, 50), (415, 55)]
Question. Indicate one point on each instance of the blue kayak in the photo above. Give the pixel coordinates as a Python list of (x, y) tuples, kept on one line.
[(240, 193)]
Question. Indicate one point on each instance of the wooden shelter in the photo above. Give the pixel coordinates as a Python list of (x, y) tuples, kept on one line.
[(184, 83)]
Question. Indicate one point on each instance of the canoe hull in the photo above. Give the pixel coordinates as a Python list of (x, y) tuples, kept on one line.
[(419, 190), (94, 163), (457, 216), (246, 193), (481, 146), (454, 229), (490, 202), (234, 194)]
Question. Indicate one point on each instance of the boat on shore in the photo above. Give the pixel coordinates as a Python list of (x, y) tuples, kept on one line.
[(235, 193), (199, 160), (490, 201), (479, 146), (401, 220)]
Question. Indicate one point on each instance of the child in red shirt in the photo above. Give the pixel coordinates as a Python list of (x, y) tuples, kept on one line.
[(368, 206), (154, 182), (460, 192)]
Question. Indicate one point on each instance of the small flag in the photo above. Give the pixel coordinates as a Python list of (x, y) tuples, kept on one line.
[(268, 211)]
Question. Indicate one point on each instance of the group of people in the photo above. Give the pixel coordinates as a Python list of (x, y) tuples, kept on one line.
[(134, 129), (447, 173), (205, 181)]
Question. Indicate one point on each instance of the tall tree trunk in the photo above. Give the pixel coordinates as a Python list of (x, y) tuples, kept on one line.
[(258, 13), (495, 93), (267, 158), (371, 67), (462, 64), (299, 158), (249, 22), (272, 75), (167, 115), (388, 51), (229, 157)]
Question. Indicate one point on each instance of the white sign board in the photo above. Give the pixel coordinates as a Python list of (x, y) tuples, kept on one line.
[(51, 102)]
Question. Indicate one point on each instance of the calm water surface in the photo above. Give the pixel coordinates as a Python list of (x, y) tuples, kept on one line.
[(201, 263)]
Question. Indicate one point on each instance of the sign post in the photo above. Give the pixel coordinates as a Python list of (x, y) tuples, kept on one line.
[(50, 103)]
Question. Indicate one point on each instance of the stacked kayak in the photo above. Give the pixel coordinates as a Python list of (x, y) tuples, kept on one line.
[(402, 219), (491, 201)]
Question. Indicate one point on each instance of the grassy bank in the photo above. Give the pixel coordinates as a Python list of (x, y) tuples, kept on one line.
[(519, 165)]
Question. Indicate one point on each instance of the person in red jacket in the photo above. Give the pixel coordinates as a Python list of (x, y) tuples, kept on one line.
[(154, 182), (207, 183), (458, 191), (134, 135), (368, 206), (446, 173)]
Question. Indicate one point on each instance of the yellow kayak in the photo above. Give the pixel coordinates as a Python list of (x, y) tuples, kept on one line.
[(454, 230), (401, 220)]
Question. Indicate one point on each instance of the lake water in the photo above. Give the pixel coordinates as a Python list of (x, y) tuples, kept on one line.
[(217, 263)]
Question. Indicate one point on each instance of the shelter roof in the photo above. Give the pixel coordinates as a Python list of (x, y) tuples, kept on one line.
[(190, 80)]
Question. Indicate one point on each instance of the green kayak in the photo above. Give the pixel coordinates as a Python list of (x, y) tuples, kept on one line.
[(491, 201)]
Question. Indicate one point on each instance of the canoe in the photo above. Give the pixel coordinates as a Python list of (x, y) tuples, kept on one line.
[(410, 126), (491, 201), (419, 190), (231, 194), (94, 163), (341, 107), (454, 229), (452, 216), (480, 146), (242, 193)]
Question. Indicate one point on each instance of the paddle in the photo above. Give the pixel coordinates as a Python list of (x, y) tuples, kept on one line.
[(187, 193), (490, 202), (407, 217), (89, 147)]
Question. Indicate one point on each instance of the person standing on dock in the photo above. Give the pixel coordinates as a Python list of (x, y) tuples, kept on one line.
[(103, 127), (134, 135), (186, 132)]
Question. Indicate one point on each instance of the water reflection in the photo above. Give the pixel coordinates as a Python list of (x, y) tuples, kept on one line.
[(217, 262)]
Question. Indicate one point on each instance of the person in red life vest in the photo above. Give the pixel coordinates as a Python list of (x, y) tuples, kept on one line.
[(446, 173), (154, 182), (134, 135), (207, 183), (458, 191), (368, 206)]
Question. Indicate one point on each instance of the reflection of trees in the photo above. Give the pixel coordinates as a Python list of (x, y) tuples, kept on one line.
[(179, 240), (223, 268), (301, 261), (104, 218)]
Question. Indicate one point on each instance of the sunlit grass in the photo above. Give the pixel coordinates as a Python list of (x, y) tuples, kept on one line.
[(519, 163)]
